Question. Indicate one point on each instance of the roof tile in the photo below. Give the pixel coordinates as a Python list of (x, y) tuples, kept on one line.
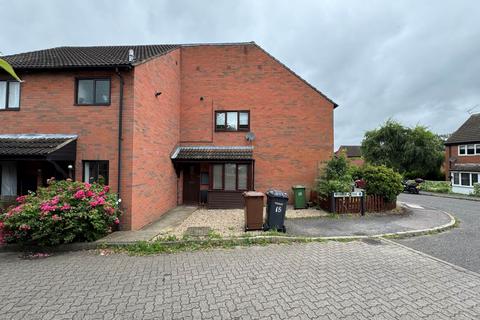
[(468, 132), (213, 153)]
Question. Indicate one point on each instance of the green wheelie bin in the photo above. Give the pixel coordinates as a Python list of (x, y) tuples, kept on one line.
[(300, 202)]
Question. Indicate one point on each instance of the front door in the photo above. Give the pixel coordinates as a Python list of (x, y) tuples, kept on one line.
[(191, 184)]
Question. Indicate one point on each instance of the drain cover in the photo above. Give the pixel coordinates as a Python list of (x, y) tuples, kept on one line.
[(373, 242), (197, 231)]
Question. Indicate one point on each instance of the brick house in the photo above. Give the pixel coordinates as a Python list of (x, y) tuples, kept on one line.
[(353, 154), (462, 156), (185, 124)]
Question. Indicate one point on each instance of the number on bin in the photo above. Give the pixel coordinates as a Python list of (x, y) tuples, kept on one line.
[(278, 209)]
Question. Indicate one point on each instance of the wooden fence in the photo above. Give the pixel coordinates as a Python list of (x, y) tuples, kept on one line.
[(370, 203)]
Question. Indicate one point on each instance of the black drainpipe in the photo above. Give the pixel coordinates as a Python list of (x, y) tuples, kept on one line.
[(120, 135)]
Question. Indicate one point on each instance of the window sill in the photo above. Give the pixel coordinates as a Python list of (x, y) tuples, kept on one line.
[(92, 105), (10, 109), (240, 130)]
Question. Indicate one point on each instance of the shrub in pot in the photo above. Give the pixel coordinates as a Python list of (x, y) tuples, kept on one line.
[(64, 212)]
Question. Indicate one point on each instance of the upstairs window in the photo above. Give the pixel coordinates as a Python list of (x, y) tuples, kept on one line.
[(93, 92), (95, 171), (470, 149), (9, 95), (232, 120)]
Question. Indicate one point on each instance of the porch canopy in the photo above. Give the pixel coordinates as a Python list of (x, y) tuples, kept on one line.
[(53, 147), (468, 167), (212, 153)]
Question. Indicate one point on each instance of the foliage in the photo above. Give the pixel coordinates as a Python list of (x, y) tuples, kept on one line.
[(406, 150), (476, 189), (8, 68), (356, 172), (63, 212), (382, 181), (335, 177), (436, 186)]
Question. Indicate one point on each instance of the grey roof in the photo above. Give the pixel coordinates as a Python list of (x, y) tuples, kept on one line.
[(468, 132), (213, 153), (33, 144), (471, 167), (84, 57), (351, 151)]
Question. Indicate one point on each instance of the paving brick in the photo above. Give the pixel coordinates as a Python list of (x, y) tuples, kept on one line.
[(309, 281)]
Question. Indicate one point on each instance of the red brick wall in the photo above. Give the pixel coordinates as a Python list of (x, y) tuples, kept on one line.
[(452, 151), (156, 133), (47, 106), (292, 122)]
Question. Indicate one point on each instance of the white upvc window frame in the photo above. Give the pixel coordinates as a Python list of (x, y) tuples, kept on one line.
[(476, 146), (470, 184)]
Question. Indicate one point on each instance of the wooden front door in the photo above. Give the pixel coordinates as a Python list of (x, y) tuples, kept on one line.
[(191, 184)]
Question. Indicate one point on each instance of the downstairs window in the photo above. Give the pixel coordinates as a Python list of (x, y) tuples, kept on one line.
[(230, 177), (95, 171)]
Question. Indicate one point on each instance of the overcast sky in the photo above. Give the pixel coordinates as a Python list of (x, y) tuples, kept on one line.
[(417, 62)]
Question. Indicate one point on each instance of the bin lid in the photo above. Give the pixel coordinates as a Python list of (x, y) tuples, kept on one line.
[(277, 194), (253, 194), (298, 186)]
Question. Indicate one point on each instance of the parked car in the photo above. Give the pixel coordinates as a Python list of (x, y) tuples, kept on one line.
[(360, 183)]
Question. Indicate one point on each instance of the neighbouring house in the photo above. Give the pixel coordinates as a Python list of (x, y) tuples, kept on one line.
[(462, 156), (163, 125), (353, 154)]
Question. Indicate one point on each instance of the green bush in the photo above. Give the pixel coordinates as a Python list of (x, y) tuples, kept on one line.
[(436, 186), (476, 189), (63, 212), (335, 177), (382, 181)]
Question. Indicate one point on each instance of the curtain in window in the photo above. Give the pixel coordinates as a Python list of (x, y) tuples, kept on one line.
[(3, 94), (217, 176), (9, 178), (232, 118), (242, 176), (230, 176), (13, 94)]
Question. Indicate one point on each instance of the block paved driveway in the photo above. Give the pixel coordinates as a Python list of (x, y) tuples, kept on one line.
[(355, 280)]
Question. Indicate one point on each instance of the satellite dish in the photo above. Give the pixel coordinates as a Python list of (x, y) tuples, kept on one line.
[(250, 136)]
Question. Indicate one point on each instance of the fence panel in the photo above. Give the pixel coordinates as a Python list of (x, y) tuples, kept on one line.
[(372, 203)]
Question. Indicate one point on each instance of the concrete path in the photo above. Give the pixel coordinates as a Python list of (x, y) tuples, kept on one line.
[(415, 218), (169, 220)]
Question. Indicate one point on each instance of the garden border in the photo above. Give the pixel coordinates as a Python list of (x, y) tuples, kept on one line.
[(245, 240)]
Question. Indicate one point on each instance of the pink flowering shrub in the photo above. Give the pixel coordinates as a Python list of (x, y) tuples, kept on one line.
[(63, 212)]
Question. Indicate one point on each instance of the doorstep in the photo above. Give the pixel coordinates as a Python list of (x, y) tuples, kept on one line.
[(164, 224)]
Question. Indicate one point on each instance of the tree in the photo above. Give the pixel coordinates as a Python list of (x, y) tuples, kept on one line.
[(335, 177), (8, 68), (410, 151)]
